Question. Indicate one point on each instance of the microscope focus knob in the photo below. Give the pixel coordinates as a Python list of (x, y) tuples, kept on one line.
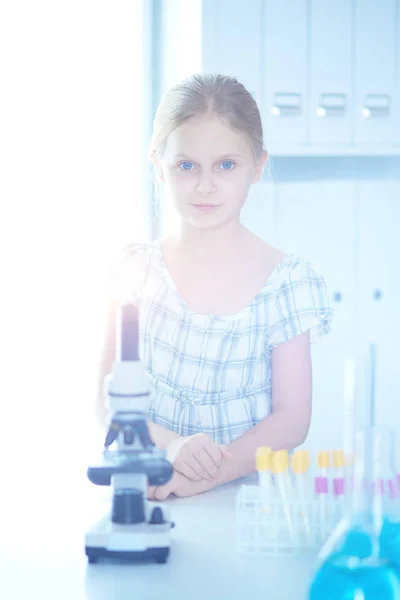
[(157, 517), (128, 507)]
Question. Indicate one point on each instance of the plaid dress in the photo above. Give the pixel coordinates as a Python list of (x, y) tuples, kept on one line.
[(213, 374)]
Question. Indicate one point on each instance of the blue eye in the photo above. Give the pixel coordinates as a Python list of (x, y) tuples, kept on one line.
[(227, 165), (186, 165)]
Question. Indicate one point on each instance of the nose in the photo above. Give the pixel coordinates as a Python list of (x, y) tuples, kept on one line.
[(205, 185)]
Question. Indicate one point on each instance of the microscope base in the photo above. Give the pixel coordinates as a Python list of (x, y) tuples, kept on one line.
[(158, 555), (138, 542)]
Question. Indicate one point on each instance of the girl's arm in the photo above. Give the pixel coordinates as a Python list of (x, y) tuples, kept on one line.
[(285, 428), (161, 436), (288, 424)]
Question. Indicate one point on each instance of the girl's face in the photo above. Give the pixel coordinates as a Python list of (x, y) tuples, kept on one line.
[(208, 168)]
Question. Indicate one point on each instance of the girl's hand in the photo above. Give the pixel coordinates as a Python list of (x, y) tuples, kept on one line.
[(180, 486), (197, 456), (162, 492)]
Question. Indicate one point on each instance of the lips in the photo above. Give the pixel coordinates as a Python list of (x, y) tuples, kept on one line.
[(206, 205)]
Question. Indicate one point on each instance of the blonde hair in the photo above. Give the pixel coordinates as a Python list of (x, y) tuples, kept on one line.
[(208, 94)]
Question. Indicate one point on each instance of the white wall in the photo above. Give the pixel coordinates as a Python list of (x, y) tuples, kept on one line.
[(179, 51), (71, 194)]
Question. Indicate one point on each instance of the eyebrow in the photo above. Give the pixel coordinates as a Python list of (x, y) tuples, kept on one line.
[(228, 155)]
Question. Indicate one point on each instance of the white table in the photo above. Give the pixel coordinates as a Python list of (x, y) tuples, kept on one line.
[(42, 550)]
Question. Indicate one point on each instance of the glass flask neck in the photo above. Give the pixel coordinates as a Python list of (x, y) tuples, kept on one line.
[(373, 478)]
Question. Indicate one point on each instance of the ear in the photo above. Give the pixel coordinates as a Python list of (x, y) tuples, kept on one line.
[(260, 164), (158, 168)]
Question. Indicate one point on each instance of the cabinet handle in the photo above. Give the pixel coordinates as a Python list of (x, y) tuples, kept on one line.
[(337, 296), (376, 105), (286, 105), (331, 105), (377, 295)]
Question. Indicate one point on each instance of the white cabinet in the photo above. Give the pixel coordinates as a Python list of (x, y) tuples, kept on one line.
[(331, 99), (397, 78), (328, 412), (378, 268), (325, 74), (378, 261), (377, 102), (317, 221), (231, 34), (387, 384), (285, 71)]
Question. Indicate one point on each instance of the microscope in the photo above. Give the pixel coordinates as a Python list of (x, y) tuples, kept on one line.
[(135, 529)]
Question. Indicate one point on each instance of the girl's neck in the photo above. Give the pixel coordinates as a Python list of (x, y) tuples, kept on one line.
[(210, 243)]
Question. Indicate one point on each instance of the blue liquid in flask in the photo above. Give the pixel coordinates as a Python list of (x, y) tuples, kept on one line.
[(390, 543), (357, 543), (349, 578), (358, 561)]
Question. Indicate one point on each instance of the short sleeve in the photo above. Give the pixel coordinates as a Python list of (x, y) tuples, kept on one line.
[(301, 303), (128, 273)]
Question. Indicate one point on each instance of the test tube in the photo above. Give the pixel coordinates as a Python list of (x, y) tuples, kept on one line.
[(263, 466), (280, 466), (300, 466), (322, 490), (338, 460)]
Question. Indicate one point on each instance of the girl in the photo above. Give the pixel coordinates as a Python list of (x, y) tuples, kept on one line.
[(226, 319)]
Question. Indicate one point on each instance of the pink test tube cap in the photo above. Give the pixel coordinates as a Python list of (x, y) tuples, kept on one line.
[(338, 486), (321, 485), (393, 487), (379, 487)]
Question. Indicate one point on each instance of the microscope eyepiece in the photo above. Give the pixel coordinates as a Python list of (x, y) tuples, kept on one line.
[(128, 333)]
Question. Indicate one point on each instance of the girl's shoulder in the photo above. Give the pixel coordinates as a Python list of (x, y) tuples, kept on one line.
[(298, 299), (140, 253), (284, 268), (295, 288), (135, 250), (291, 267), (132, 267), (279, 266), (293, 270)]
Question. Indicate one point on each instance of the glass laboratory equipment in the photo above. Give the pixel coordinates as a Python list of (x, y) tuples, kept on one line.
[(390, 535), (353, 564)]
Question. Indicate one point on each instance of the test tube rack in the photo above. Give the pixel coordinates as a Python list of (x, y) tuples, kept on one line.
[(268, 526), (263, 530)]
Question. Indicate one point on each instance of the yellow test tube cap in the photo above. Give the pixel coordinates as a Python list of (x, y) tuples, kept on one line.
[(263, 458), (280, 461), (323, 460), (300, 461), (338, 458)]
